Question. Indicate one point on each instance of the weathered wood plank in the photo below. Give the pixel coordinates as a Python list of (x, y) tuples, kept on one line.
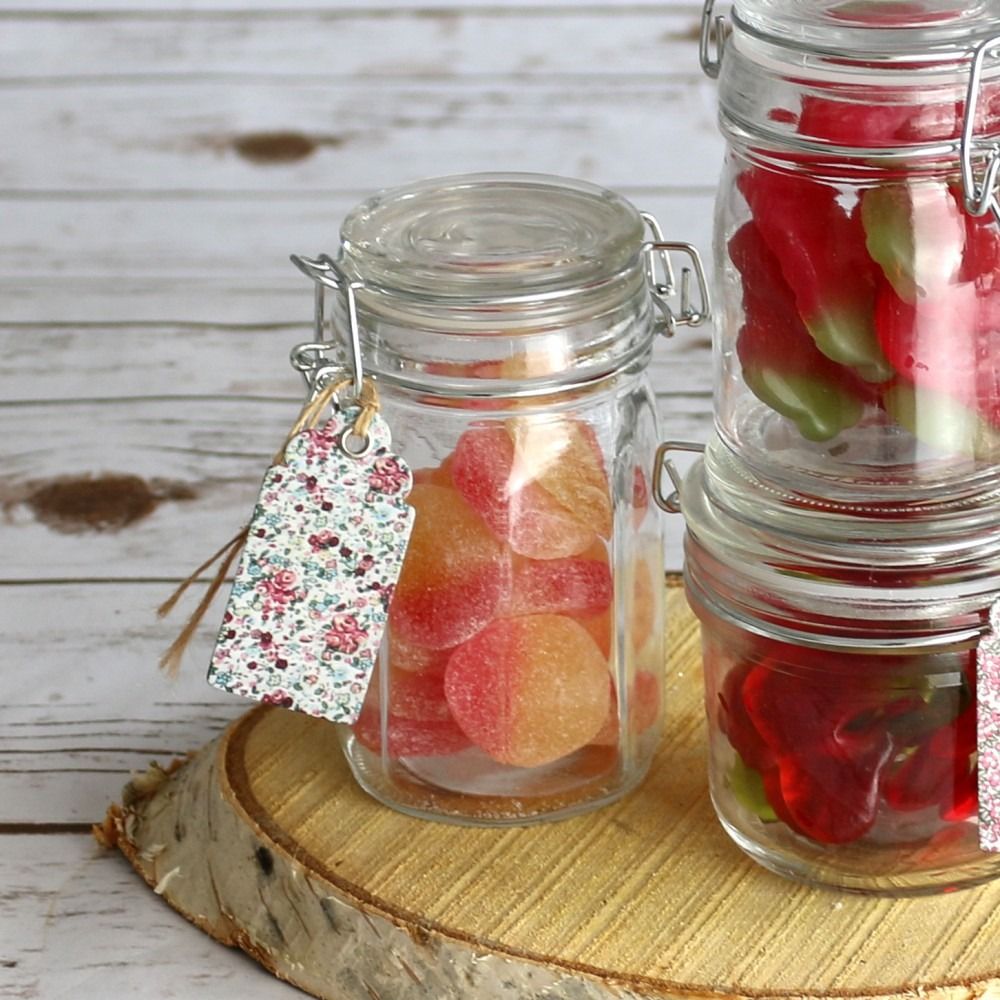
[(86, 705), (221, 259), (353, 135), (235, 239), (76, 922), (57, 8), (334, 42), (123, 361), (200, 461)]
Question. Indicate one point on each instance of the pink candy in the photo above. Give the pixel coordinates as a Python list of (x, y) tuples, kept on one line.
[(529, 690)]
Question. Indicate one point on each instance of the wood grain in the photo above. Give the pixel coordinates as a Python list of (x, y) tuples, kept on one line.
[(283, 855), (75, 921), (334, 41), (368, 134)]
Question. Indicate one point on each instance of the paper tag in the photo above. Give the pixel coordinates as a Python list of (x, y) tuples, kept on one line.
[(988, 732), (325, 547)]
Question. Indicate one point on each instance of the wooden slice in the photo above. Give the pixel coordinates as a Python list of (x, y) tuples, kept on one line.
[(265, 842)]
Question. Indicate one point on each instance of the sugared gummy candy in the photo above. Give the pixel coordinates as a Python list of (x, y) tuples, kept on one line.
[(454, 576), (503, 491), (529, 690)]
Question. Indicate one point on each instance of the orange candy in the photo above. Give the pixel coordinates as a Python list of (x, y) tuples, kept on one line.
[(502, 489), (564, 456), (454, 576), (529, 690)]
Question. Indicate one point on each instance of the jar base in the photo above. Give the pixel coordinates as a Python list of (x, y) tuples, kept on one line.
[(405, 792), (924, 882)]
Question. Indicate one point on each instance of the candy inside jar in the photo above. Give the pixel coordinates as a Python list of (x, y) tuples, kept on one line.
[(818, 751), (499, 671), (840, 680), (860, 343)]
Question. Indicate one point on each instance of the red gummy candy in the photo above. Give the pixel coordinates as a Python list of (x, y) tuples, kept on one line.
[(529, 690), (410, 738), (949, 342), (454, 576), (830, 743), (580, 586), (736, 724), (820, 249), (781, 363), (504, 492)]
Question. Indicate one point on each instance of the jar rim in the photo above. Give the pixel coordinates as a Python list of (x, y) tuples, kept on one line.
[(887, 31), (492, 239)]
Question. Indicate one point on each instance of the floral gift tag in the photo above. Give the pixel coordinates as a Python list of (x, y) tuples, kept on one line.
[(988, 723), (323, 553)]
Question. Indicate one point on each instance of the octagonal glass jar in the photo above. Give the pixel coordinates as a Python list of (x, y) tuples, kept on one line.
[(508, 321)]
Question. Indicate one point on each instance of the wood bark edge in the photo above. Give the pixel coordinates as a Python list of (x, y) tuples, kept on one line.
[(183, 829)]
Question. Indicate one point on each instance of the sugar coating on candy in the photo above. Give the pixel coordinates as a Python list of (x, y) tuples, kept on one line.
[(598, 627), (409, 737), (503, 491), (577, 585), (566, 460), (416, 696), (529, 690), (415, 659), (454, 576), (643, 604), (437, 475)]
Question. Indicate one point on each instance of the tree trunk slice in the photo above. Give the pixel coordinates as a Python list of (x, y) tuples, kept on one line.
[(263, 840)]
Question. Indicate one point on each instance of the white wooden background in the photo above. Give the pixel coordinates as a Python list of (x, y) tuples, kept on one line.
[(158, 162)]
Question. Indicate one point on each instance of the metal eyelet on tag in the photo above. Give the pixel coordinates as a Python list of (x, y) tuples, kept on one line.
[(664, 290), (981, 196)]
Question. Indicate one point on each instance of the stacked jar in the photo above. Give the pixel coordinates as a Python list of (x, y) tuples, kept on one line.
[(843, 528), (508, 321)]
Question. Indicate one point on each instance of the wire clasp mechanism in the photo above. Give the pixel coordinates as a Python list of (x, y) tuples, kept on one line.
[(981, 196), (310, 359), (671, 503), (714, 32), (664, 283)]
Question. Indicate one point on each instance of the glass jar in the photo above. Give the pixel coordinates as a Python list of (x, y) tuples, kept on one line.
[(840, 681), (508, 321), (859, 332)]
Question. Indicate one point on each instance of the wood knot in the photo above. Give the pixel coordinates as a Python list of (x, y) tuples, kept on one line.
[(274, 147), (99, 503)]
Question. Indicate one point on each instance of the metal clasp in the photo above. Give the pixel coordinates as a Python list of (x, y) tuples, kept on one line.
[(671, 503), (309, 358), (713, 36), (663, 290), (980, 197)]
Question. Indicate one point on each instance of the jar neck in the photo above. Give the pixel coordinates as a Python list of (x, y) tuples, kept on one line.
[(855, 575), (808, 107), (515, 349)]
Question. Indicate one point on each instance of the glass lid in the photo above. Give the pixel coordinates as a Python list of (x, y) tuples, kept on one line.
[(491, 238), (890, 28)]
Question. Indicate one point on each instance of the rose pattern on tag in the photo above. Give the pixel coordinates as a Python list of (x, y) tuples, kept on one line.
[(988, 732), (308, 608)]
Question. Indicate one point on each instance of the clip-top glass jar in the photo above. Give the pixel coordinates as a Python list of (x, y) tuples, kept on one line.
[(843, 527), (508, 321), (840, 681), (860, 332)]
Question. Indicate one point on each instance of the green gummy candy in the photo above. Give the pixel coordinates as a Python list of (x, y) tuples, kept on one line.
[(747, 787)]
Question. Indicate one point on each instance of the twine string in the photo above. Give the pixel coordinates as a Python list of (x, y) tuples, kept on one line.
[(310, 416)]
